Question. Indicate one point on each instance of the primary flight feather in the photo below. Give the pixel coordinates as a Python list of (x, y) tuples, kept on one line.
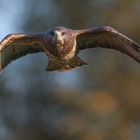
[(62, 45)]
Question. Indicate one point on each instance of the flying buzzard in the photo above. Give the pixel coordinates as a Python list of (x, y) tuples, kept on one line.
[(62, 45)]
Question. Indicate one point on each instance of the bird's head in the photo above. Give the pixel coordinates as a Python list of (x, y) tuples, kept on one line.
[(61, 42)]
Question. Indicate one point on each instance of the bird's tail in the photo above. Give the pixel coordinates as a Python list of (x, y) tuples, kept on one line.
[(63, 66)]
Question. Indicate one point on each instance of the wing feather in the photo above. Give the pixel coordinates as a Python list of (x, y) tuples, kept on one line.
[(107, 37), (14, 46)]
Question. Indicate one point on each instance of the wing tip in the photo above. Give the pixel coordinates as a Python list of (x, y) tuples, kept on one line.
[(1, 68), (2, 63)]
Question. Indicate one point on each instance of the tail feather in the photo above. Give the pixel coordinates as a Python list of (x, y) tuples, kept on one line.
[(63, 66)]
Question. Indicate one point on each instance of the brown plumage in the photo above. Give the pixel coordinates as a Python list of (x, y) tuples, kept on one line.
[(62, 45)]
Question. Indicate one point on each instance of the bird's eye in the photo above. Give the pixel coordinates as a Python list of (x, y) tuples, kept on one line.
[(63, 33)]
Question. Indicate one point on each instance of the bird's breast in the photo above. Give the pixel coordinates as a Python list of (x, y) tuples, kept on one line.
[(62, 50), (71, 51)]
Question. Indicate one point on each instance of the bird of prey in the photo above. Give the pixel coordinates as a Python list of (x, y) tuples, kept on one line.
[(62, 45)]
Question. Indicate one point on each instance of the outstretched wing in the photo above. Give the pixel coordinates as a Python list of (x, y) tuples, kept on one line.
[(14, 46), (107, 37)]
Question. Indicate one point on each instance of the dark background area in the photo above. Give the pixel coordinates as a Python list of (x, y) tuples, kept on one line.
[(100, 101)]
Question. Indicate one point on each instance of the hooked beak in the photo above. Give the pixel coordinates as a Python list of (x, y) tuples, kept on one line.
[(58, 37)]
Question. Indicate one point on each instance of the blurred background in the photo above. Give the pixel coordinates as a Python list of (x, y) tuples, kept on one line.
[(100, 101)]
